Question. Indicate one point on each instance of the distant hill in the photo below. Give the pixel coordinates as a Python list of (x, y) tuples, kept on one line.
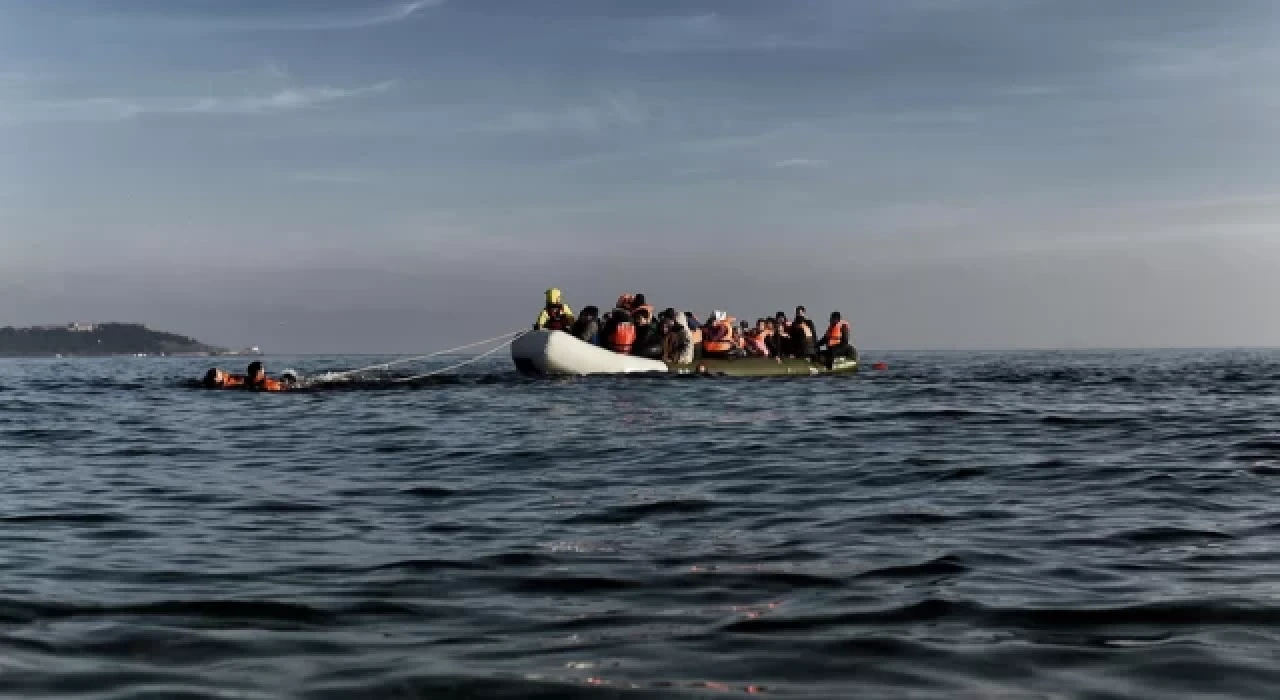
[(82, 339)]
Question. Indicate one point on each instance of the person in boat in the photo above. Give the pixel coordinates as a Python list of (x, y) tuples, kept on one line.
[(692, 321), (619, 334), (678, 344), (837, 341), (648, 334), (587, 327), (256, 379), (556, 315), (216, 378), (718, 336), (802, 316), (639, 302), (781, 335), (773, 339), (755, 340), (803, 339)]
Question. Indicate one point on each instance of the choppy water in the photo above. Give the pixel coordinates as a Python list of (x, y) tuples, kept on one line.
[(1065, 525)]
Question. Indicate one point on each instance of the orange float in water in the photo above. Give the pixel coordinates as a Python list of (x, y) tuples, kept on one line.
[(880, 366)]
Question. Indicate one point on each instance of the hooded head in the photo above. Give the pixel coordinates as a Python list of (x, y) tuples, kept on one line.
[(553, 296)]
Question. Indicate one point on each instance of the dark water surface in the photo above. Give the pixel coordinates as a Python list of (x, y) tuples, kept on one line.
[(1052, 525)]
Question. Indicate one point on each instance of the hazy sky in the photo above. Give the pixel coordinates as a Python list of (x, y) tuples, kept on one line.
[(316, 175)]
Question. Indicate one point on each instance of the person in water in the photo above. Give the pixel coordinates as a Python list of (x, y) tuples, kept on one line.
[(216, 378), (837, 341), (587, 327), (256, 379), (556, 315)]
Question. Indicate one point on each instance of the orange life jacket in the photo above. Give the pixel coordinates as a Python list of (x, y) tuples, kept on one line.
[(622, 338), (837, 334), (556, 320), (718, 337), (223, 380), (267, 384)]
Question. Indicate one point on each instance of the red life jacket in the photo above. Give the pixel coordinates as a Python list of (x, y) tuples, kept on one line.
[(556, 320), (622, 338)]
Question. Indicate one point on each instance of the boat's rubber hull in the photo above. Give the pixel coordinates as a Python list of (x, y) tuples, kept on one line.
[(543, 353), (558, 353)]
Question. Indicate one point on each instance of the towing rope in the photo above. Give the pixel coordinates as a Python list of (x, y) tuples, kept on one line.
[(508, 337), (462, 364)]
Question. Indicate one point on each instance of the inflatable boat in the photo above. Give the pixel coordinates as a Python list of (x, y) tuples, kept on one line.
[(555, 353)]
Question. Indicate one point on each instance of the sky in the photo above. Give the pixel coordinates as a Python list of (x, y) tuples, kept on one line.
[(397, 177)]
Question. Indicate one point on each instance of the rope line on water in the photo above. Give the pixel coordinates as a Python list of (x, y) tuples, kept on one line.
[(462, 364), (509, 337)]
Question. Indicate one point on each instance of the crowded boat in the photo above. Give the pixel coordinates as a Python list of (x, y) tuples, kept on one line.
[(633, 327)]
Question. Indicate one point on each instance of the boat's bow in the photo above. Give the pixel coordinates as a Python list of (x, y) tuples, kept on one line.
[(558, 353)]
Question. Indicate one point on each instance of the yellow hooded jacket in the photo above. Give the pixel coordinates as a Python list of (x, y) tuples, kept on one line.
[(553, 297)]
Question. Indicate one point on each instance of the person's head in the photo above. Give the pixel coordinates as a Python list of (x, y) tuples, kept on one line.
[(800, 312), (762, 324), (668, 325), (641, 316), (255, 373), (668, 314), (835, 316), (553, 296), (214, 378), (640, 300), (590, 312)]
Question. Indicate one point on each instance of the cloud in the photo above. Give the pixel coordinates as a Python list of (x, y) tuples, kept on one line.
[(800, 163), (712, 32), (118, 108), (607, 113), (324, 21)]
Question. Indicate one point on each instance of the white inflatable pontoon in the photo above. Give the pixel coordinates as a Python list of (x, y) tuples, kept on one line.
[(556, 353)]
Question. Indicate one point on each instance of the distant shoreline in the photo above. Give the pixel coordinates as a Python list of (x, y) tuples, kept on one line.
[(83, 340)]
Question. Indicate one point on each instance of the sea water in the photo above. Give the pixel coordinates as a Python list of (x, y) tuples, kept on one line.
[(1025, 525)]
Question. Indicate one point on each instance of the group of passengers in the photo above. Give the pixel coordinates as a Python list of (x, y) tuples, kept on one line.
[(633, 327)]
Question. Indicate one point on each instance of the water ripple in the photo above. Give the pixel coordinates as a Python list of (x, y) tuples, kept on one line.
[(1000, 525)]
